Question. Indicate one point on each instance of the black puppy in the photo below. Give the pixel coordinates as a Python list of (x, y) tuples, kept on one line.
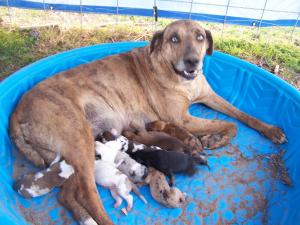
[(166, 162)]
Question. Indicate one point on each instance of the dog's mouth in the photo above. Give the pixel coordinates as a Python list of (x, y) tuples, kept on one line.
[(187, 74)]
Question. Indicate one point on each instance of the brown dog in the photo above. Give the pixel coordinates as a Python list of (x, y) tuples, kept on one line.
[(64, 113)]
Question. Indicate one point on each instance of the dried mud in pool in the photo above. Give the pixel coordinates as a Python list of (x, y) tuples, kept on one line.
[(236, 190)]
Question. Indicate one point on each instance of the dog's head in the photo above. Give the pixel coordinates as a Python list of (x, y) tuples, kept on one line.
[(183, 44), (175, 198)]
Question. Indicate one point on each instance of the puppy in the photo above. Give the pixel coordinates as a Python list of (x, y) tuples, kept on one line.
[(111, 152), (107, 175), (37, 184), (164, 141), (166, 162), (170, 197)]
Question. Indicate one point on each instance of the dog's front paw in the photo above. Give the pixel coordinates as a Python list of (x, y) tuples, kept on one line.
[(194, 143), (275, 134)]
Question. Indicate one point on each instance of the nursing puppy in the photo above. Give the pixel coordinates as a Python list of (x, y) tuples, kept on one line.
[(166, 162), (165, 142), (40, 183), (108, 176), (170, 197), (111, 152)]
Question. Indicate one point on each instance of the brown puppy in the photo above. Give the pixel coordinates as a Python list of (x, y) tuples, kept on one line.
[(177, 131), (159, 139), (170, 197), (165, 142), (64, 113)]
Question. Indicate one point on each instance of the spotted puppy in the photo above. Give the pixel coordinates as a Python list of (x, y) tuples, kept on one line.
[(37, 184), (170, 197), (108, 176)]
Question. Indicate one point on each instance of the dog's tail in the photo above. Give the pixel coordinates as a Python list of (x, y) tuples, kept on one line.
[(136, 190)]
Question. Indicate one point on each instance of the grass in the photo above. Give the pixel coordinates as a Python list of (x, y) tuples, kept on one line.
[(18, 47)]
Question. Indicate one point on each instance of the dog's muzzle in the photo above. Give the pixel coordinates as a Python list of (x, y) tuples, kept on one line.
[(187, 67)]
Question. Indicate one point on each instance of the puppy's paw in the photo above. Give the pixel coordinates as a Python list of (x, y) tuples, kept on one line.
[(124, 211), (275, 134)]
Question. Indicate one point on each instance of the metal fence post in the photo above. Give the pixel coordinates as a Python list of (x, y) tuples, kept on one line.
[(295, 26), (9, 13), (117, 21), (262, 15), (191, 8), (225, 18), (81, 14), (155, 12), (45, 13)]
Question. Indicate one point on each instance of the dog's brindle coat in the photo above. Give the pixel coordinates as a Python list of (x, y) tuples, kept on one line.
[(64, 113)]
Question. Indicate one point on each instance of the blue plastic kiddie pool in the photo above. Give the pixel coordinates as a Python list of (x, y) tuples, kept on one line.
[(243, 185)]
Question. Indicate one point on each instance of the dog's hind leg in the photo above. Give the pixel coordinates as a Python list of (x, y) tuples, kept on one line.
[(115, 195), (86, 191), (129, 200), (118, 199), (67, 199)]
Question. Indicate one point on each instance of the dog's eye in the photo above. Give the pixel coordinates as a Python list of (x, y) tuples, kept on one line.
[(199, 37), (174, 39)]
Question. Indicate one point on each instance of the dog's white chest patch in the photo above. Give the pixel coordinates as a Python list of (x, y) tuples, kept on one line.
[(66, 170)]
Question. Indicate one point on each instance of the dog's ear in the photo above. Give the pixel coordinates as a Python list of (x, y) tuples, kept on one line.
[(210, 41), (156, 41)]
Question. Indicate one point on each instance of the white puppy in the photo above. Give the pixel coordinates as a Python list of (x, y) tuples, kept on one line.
[(134, 170), (107, 175)]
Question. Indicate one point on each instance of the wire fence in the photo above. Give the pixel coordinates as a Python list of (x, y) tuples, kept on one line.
[(222, 27)]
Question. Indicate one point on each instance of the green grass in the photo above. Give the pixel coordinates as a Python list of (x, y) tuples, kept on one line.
[(267, 48), (15, 51)]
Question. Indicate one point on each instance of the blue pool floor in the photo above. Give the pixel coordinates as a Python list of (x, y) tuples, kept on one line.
[(240, 188)]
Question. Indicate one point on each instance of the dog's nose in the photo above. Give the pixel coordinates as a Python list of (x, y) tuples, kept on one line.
[(191, 62)]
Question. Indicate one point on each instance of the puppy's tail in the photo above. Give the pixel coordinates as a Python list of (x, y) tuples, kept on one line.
[(138, 193)]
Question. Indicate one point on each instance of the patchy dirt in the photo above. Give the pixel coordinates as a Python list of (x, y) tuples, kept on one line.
[(279, 171), (238, 192)]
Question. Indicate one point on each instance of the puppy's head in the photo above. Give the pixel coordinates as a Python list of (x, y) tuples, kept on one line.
[(183, 43), (174, 198), (134, 170)]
